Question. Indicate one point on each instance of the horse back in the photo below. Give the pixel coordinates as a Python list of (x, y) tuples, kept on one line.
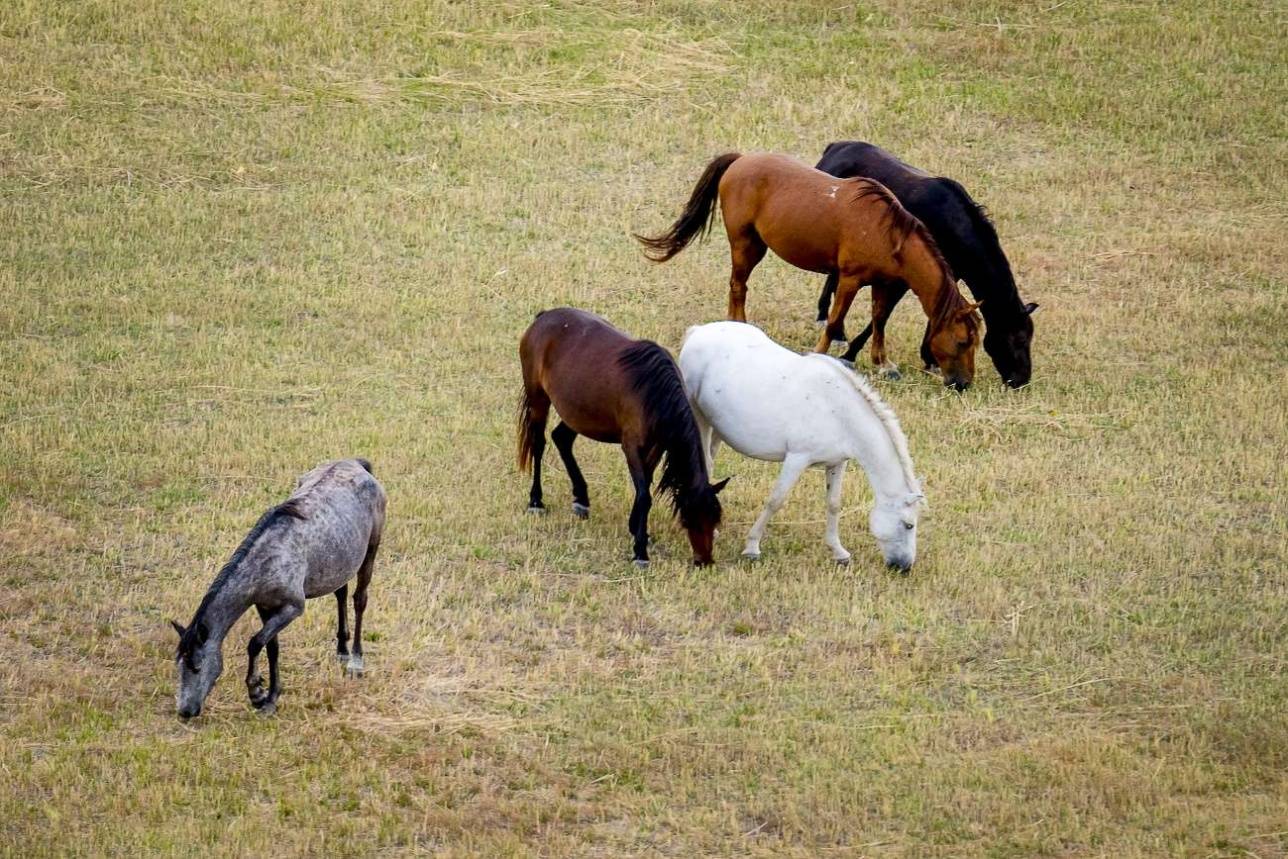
[(318, 537), (573, 359), (803, 215), (342, 513), (956, 222)]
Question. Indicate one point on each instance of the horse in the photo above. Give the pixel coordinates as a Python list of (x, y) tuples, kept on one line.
[(854, 227), (309, 546), (966, 238), (772, 404), (615, 389)]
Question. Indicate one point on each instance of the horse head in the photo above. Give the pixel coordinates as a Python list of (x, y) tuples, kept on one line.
[(953, 345), (894, 524), (700, 514), (199, 661)]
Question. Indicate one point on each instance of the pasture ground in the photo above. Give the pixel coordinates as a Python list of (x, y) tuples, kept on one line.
[(242, 238)]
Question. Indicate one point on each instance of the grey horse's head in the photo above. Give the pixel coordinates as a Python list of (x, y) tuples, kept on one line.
[(199, 660)]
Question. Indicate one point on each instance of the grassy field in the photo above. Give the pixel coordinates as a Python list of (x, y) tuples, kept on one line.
[(239, 239)]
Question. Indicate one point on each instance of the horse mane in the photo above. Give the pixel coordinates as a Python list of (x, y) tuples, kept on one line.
[(983, 225), (901, 224), (289, 509), (653, 375), (888, 420)]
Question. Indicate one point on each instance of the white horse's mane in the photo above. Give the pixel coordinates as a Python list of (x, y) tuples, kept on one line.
[(888, 419)]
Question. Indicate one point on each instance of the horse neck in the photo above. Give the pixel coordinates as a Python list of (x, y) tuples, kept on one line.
[(222, 605), (879, 458), (992, 282), (684, 454), (878, 445), (928, 280)]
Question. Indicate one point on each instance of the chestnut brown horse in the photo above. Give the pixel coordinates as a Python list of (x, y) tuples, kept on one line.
[(854, 228), (612, 388)]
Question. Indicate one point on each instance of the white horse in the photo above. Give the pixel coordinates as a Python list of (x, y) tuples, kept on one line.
[(770, 403)]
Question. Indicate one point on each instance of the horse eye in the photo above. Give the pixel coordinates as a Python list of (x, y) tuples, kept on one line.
[(908, 526)]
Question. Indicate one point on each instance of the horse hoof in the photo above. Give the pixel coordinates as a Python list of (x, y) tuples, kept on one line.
[(890, 374), (751, 556), (842, 562), (581, 511), (536, 510), (354, 668), (640, 563), (820, 323), (268, 708)]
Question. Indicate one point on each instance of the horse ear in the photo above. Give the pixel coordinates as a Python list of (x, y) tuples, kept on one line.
[(716, 487), (178, 627), (1030, 308)]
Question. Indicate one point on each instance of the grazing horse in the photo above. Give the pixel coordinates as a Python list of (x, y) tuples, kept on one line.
[(769, 403), (968, 241), (854, 227), (612, 388), (311, 545)]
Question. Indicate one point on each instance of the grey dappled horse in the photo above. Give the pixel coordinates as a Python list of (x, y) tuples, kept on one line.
[(311, 545)]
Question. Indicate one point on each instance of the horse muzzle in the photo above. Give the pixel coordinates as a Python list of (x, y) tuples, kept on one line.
[(902, 566), (1016, 381)]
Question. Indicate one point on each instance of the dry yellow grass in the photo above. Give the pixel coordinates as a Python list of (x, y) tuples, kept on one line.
[(242, 239)]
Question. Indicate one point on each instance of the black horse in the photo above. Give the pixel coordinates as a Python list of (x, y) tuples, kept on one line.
[(968, 242)]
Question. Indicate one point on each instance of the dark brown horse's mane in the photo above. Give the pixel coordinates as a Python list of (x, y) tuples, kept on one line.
[(901, 223), (672, 429)]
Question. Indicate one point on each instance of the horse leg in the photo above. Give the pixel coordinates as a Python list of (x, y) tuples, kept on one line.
[(746, 252), (793, 467), (847, 287), (354, 668), (563, 436), (856, 345), (275, 619), (708, 439), (642, 478), (342, 623), (538, 411), (927, 357), (885, 296), (835, 474), (825, 300)]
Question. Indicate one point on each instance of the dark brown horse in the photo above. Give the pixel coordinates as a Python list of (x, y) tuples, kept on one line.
[(853, 227), (612, 388)]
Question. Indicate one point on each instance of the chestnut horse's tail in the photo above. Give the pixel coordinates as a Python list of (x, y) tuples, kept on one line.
[(697, 215)]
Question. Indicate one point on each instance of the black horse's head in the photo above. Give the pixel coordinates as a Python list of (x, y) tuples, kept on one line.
[(1008, 346)]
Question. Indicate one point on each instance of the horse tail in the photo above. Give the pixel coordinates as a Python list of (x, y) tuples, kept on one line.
[(697, 216), (525, 434)]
